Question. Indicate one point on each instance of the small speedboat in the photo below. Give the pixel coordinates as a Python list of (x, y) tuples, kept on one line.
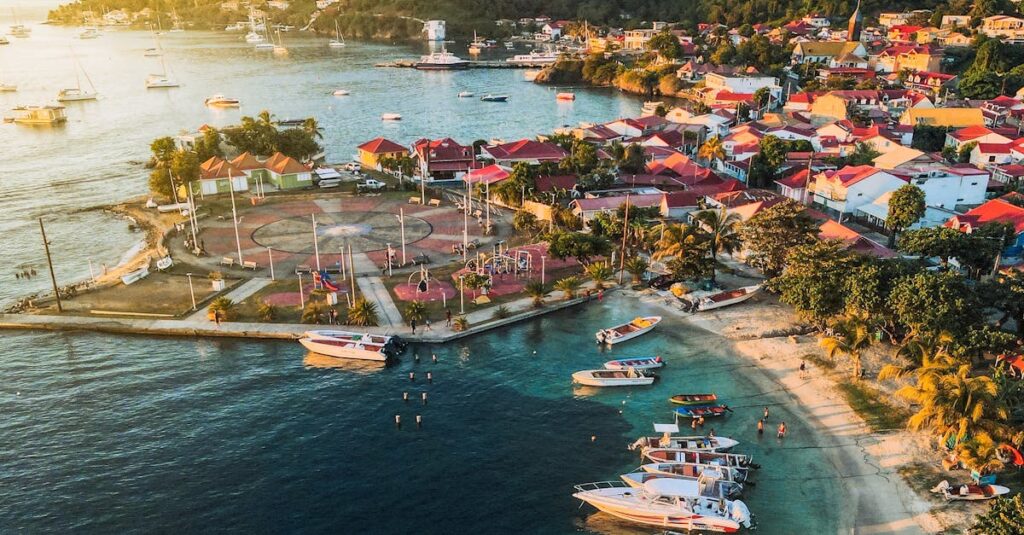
[(710, 483), (724, 299), (694, 399), (494, 98), (666, 503), (627, 331), (628, 377), (152, 53), (640, 363), (155, 81), (391, 117), (707, 411), (679, 455), (465, 94), (565, 96), (693, 443), (359, 347), (394, 343), (969, 492), (220, 101), (696, 469), (341, 92)]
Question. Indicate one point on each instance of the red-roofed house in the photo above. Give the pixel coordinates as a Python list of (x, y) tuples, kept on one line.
[(585, 209), (217, 175), (854, 241), (989, 154), (680, 165), (745, 203), (994, 211), (491, 174), (286, 172), (978, 134), (637, 127), (842, 191), (1008, 174), (524, 150), (445, 159), (795, 186), (371, 152)]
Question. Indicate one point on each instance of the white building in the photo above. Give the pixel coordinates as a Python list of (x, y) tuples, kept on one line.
[(435, 30), (1009, 29), (843, 191), (742, 84)]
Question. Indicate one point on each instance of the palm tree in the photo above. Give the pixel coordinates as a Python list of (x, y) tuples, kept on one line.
[(569, 285), (312, 127), (721, 228), (980, 452), (675, 241), (853, 336), (538, 291), (712, 150), (416, 310), (954, 404), (363, 313), (922, 350), (266, 311), (600, 273), (637, 267), (223, 308), (460, 324), (265, 119)]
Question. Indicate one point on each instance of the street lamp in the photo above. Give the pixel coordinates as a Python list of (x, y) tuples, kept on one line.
[(462, 296), (302, 298), (270, 253), (542, 259), (191, 290), (401, 221), (388, 260)]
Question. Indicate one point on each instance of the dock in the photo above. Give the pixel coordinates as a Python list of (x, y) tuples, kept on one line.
[(411, 64)]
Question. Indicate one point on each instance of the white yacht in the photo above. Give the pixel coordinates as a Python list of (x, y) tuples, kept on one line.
[(161, 79), (341, 92), (666, 503), (77, 93), (441, 61), (534, 58), (338, 41), (220, 101)]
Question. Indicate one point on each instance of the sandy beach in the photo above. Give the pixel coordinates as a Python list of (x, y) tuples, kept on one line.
[(877, 499)]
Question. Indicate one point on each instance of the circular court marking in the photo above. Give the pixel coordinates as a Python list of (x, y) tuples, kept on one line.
[(365, 231)]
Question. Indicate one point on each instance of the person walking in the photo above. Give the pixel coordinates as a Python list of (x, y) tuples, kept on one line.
[(447, 317), (412, 323), (766, 414), (760, 427), (803, 368), (782, 430), (426, 324)]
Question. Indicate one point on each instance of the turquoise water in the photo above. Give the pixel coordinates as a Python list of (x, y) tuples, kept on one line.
[(106, 434)]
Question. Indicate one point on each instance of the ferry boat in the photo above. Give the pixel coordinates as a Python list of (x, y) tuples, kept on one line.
[(441, 61), (220, 101), (628, 377), (534, 58), (38, 115), (666, 503), (347, 345), (627, 331)]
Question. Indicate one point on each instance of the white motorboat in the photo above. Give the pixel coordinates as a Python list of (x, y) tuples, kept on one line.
[(628, 377), (534, 59), (696, 469), (338, 41), (693, 443), (711, 482), (724, 299), (341, 92), (344, 345), (38, 115), (465, 94), (678, 455), (392, 341), (627, 331), (639, 363), (441, 61), (158, 81), (135, 276), (489, 97), (4, 40), (391, 117), (969, 492), (666, 503), (220, 101), (89, 33)]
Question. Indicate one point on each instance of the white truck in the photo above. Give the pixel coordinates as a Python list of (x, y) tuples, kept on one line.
[(370, 185)]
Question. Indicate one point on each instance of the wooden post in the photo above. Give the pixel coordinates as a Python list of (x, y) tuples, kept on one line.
[(49, 261)]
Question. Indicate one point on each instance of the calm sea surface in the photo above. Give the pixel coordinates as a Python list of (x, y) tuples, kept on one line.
[(110, 434), (97, 158)]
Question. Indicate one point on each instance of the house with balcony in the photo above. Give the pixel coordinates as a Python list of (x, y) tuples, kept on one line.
[(525, 150), (841, 192), (1004, 27), (913, 57), (442, 159)]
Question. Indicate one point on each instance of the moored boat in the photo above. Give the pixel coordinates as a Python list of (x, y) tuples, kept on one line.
[(969, 492), (7, 88), (628, 377), (391, 117), (639, 363), (665, 503), (341, 92), (465, 94), (694, 399), (441, 61), (38, 115), (627, 331), (393, 342), (707, 411), (565, 96), (679, 455), (75, 94), (494, 98), (359, 347), (694, 443), (220, 101), (729, 473), (534, 58)]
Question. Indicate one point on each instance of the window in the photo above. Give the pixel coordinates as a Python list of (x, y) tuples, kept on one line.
[(991, 158)]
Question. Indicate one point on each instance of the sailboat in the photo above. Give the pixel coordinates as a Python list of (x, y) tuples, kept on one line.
[(253, 36), (176, 28), (76, 93), (477, 45), (279, 47), (266, 43), (155, 51), (338, 41), (161, 80), (18, 29)]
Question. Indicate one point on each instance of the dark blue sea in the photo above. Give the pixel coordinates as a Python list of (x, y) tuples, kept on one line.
[(120, 434)]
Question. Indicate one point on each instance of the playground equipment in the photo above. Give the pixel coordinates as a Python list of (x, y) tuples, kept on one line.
[(518, 262), (423, 284)]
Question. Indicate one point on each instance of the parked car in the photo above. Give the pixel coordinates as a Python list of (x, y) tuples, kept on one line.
[(355, 167), (371, 185)]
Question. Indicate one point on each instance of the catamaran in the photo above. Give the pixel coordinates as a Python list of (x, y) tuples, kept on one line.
[(666, 503), (76, 94), (627, 331), (338, 41)]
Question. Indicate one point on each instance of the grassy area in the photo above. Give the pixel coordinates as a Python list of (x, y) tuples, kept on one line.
[(870, 405), (158, 294)]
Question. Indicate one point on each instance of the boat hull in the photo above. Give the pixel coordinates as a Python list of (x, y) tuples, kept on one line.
[(613, 335), (588, 378), (442, 66), (341, 351), (667, 517), (694, 399), (637, 364)]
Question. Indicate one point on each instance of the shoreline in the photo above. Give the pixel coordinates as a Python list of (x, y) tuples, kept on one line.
[(875, 496)]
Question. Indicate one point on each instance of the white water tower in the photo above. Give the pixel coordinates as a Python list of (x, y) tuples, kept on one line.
[(435, 30)]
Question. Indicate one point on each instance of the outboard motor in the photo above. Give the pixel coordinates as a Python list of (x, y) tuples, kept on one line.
[(740, 513)]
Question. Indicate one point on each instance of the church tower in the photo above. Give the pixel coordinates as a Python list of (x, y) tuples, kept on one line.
[(856, 25)]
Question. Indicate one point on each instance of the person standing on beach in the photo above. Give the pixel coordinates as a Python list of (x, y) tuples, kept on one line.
[(760, 427), (782, 430), (447, 317), (803, 368), (412, 323)]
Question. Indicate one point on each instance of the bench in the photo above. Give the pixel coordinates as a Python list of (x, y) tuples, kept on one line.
[(302, 268), (414, 200), (435, 202), (250, 265), (226, 261)]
